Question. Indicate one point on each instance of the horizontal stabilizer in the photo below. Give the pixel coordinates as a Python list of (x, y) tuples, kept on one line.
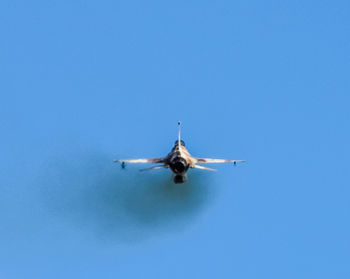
[(153, 168), (204, 168)]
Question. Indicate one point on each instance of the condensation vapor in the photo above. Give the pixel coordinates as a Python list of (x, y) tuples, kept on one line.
[(127, 205)]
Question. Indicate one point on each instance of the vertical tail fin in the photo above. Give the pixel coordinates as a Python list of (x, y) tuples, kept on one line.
[(179, 136)]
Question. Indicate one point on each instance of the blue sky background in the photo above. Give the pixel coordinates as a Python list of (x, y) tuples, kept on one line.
[(85, 82)]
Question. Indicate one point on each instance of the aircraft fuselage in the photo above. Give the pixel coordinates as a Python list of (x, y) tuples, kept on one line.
[(178, 160)]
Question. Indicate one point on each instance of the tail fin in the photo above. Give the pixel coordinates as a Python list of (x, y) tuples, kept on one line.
[(179, 136)]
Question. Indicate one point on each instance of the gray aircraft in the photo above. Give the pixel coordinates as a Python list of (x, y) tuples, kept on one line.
[(179, 160)]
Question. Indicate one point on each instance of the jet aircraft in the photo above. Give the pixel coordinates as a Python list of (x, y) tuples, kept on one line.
[(179, 160)]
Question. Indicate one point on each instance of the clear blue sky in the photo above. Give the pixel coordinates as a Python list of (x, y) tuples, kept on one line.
[(86, 82)]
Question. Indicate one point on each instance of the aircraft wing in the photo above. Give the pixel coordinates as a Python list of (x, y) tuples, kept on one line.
[(211, 161), (151, 160)]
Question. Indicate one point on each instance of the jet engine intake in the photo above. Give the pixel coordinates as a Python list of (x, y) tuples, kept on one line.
[(178, 179)]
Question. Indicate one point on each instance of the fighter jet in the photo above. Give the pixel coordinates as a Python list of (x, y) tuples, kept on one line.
[(179, 160)]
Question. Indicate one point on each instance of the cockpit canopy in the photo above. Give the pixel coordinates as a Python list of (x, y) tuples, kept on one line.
[(181, 142)]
